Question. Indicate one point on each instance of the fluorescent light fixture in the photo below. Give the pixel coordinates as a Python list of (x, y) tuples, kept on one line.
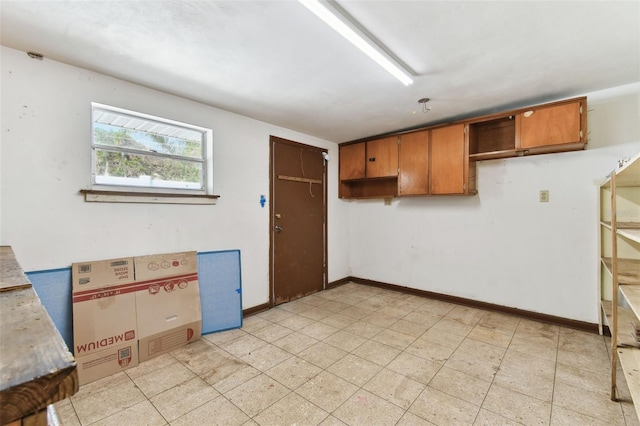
[(351, 32)]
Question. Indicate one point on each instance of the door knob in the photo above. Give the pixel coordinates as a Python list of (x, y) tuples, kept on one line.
[(278, 228)]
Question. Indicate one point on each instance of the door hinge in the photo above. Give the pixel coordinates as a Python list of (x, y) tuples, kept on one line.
[(580, 109), (464, 186), (465, 129), (580, 134), (399, 140)]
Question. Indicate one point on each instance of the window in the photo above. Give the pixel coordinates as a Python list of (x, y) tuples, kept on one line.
[(142, 153)]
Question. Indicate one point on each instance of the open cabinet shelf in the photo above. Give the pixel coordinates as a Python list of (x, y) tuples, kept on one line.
[(620, 273)]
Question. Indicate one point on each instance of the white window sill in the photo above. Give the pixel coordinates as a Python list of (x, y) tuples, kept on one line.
[(91, 195)]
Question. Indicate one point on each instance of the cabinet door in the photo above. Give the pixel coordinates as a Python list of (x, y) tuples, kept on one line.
[(413, 177), (352, 161), (382, 157), (554, 125), (449, 160)]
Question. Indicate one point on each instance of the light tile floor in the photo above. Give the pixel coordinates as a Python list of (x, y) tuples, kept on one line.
[(359, 355)]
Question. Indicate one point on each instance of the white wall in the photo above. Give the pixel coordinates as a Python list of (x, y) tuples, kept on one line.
[(45, 161), (502, 246)]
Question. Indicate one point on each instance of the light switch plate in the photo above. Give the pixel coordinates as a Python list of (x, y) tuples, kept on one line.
[(544, 196)]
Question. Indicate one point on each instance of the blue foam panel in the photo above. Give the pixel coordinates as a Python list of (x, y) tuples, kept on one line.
[(219, 276), (54, 290)]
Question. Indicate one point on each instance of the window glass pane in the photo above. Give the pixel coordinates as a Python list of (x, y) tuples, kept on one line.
[(110, 135), (132, 169)]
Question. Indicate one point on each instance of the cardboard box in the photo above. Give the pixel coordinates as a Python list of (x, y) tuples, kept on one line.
[(158, 344), (168, 302), (143, 307), (104, 305), (107, 362)]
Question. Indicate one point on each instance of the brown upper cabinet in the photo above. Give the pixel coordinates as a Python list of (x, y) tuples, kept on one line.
[(555, 127), (369, 169), (441, 160)]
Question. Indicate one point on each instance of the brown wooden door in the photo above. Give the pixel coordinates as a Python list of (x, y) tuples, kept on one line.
[(448, 160), (298, 220), (413, 162), (382, 157), (352, 161), (555, 125)]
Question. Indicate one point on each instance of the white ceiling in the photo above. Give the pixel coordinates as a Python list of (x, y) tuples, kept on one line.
[(277, 62)]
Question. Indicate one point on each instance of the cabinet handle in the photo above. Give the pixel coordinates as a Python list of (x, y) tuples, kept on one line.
[(372, 159)]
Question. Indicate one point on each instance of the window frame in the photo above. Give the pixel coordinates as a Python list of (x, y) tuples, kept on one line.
[(151, 193)]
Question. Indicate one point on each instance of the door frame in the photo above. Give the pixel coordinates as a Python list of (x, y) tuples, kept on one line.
[(272, 180)]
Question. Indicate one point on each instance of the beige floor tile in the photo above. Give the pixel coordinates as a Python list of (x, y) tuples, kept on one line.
[(372, 304), (533, 364), (338, 320), (230, 374), (217, 412), (203, 361), (364, 329), (318, 330), (295, 307), (469, 363), (243, 345), (490, 335), (272, 332), (533, 328), (395, 388), (561, 416), (500, 322), (450, 326), (162, 379), (276, 314), (416, 368), (296, 322), (356, 312), (540, 347), (266, 357), (597, 381), (461, 385), (354, 369), (488, 418), (526, 383), (294, 372), (100, 405), (588, 402), (443, 409), (67, 415), (381, 320), (103, 384), (181, 399), (332, 421), (483, 351), (141, 414), (365, 408), (422, 318), (322, 354), (436, 307), (517, 407), (375, 352), (316, 313), (586, 358), (395, 311), (345, 340), (327, 391), (295, 342), (395, 339), (411, 328), (410, 419), (466, 315), (254, 323), (255, 395), (630, 413), (443, 337), (223, 337), (292, 410), (432, 351), (335, 306), (152, 365)]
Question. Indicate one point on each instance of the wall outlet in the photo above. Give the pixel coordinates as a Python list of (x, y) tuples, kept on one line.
[(387, 201), (544, 196)]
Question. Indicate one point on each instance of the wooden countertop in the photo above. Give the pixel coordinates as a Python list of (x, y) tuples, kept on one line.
[(36, 367)]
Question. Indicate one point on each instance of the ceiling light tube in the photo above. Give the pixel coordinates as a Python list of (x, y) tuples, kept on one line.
[(348, 30)]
